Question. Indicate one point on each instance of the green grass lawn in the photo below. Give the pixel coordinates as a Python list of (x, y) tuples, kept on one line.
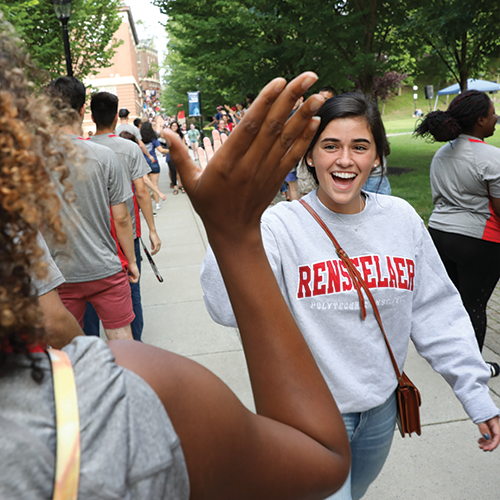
[(400, 125), (414, 155)]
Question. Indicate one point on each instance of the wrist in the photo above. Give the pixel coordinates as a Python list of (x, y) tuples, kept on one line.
[(244, 242)]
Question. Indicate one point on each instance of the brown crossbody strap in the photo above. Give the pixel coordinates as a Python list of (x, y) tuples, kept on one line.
[(358, 283)]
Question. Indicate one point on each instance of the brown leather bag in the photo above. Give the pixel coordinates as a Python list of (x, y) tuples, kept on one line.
[(407, 395)]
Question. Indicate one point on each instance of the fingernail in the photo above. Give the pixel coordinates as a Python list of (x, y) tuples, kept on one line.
[(280, 84), (486, 436), (316, 120), (308, 82), (316, 103)]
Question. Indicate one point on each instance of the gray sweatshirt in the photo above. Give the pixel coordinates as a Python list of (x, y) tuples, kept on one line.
[(391, 247)]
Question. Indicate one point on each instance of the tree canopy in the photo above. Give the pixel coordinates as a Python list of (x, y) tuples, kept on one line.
[(227, 48), (464, 35), (91, 28)]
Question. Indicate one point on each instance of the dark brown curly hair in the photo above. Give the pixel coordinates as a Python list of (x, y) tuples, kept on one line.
[(460, 117), (29, 166)]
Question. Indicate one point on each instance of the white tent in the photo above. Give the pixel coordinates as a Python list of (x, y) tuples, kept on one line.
[(472, 84)]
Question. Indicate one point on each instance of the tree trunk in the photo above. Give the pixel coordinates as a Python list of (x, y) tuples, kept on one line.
[(463, 66)]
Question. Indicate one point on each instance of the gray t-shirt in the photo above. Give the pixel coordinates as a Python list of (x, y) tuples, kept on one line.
[(464, 173), (131, 159), (131, 129), (129, 449), (98, 182), (54, 277)]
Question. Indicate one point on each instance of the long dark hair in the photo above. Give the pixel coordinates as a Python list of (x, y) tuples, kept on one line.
[(147, 132), (179, 131), (460, 117), (351, 105)]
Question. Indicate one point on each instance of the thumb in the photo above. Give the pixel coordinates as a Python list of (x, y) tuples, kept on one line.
[(179, 154), (484, 429)]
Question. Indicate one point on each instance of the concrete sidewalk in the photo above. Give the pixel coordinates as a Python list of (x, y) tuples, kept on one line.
[(444, 463)]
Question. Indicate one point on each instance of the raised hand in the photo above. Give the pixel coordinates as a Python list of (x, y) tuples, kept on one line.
[(252, 163), (205, 155)]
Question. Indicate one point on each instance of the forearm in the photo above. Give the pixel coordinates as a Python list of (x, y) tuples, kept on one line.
[(144, 202), (125, 236), (145, 150), (286, 381)]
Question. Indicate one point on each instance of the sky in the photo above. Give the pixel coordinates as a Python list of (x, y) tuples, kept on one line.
[(145, 11)]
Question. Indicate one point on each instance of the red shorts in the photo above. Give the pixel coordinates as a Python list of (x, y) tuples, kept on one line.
[(110, 297)]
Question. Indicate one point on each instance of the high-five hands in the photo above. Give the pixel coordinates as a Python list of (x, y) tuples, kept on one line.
[(250, 167)]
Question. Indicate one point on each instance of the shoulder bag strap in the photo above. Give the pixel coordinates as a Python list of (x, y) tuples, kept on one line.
[(68, 427), (358, 284)]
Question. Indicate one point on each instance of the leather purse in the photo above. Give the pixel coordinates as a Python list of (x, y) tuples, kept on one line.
[(407, 395)]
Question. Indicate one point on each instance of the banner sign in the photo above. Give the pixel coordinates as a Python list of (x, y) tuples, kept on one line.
[(194, 103)]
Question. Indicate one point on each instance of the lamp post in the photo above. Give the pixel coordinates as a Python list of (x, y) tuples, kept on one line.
[(62, 8), (415, 95)]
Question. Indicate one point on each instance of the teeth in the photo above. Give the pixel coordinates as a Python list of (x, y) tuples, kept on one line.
[(344, 175)]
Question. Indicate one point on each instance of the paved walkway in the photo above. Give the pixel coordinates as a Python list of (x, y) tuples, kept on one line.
[(442, 464)]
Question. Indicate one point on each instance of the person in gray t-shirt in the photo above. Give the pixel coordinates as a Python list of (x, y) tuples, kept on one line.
[(104, 106), (465, 183), (89, 262)]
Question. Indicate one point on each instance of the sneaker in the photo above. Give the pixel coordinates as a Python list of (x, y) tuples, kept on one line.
[(494, 368), (157, 206)]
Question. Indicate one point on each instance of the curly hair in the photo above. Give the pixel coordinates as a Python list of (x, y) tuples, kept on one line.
[(460, 117), (28, 200)]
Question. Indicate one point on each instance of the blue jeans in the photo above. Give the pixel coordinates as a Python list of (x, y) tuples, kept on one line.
[(379, 184), (91, 320), (370, 436)]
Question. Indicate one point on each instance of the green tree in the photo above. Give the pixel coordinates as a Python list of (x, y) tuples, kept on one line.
[(241, 45), (91, 28), (464, 35)]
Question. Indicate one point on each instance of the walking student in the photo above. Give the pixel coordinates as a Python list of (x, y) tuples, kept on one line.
[(104, 107), (89, 262), (465, 183), (391, 248)]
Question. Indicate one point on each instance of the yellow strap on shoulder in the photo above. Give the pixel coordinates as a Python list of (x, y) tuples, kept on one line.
[(68, 427)]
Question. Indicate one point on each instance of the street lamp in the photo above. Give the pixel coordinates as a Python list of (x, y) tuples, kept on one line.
[(415, 95), (62, 8)]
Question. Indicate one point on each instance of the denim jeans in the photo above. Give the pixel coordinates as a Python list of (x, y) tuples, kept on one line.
[(370, 435), (91, 320), (379, 184)]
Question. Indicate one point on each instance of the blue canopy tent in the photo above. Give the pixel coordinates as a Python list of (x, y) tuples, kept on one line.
[(472, 84)]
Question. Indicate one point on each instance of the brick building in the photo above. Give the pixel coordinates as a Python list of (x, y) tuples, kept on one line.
[(134, 69)]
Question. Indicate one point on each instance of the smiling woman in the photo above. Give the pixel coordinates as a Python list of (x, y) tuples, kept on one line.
[(390, 247)]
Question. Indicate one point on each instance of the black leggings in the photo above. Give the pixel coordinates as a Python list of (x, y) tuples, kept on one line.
[(474, 267), (173, 172)]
